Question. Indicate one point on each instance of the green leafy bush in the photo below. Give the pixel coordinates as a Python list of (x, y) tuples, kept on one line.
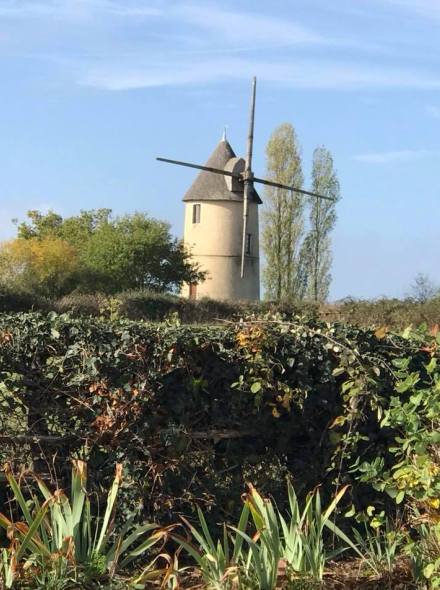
[(194, 412), (205, 409), (16, 301)]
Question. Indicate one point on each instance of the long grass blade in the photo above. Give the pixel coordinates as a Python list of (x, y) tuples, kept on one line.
[(18, 495), (32, 530), (111, 499), (242, 525)]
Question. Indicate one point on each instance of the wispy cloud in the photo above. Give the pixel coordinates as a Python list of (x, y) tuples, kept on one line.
[(115, 46), (244, 27), (298, 73), (396, 156)]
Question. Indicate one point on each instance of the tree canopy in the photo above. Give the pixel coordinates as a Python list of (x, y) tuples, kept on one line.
[(322, 218), (298, 251), (283, 215), (46, 266), (94, 251)]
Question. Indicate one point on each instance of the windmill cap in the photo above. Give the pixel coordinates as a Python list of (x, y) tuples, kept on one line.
[(209, 186)]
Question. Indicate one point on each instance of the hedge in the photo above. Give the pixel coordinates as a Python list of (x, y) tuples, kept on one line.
[(195, 412), (160, 307)]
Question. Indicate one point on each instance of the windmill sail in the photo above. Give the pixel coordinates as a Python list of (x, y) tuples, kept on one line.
[(246, 177), (239, 177)]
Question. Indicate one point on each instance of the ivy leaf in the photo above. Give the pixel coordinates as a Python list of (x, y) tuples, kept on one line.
[(429, 570), (430, 368), (401, 363), (434, 437), (400, 497), (256, 387), (407, 332), (339, 421)]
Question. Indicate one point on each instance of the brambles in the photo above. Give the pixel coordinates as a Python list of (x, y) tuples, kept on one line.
[(196, 412)]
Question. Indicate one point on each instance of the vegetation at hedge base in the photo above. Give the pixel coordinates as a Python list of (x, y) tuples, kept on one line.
[(267, 453), (149, 305)]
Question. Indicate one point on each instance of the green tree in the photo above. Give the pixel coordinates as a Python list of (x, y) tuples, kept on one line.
[(77, 230), (40, 225), (316, 251), (135, 251), (283, 217), (132, 251)]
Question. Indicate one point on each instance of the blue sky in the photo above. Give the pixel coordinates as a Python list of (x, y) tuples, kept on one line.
[(92, 90)]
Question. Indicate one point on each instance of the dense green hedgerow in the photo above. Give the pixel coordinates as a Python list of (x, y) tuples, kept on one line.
[(195, 412), (12, 300), (156, 307)]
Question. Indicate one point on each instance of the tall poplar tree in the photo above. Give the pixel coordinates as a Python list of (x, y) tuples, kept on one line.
[(283, 215), (317, 244)]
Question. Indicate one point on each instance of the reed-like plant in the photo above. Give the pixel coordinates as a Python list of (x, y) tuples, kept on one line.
[(7, 568), (425, 554), (281, 545), (217, 560), (380, 548), (294, 543), (59, 529)]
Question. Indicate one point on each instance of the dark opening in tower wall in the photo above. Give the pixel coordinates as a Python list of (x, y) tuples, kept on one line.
[(196, 213)]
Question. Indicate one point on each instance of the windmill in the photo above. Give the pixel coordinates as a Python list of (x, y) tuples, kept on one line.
[(246, 177)]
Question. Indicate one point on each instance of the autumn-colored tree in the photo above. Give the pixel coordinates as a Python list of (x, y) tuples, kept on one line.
[(45, 266), (114, 254)]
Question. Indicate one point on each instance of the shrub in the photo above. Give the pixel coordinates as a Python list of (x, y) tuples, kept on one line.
[(394, 313), (81, 304), (222, 404), (16, 300), (149, 305), (160, 307)]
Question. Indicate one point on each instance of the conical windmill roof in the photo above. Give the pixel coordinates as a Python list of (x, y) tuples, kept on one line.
[(209, 186)]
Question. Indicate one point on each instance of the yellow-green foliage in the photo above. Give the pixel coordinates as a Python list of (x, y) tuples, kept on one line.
[(44, 267)]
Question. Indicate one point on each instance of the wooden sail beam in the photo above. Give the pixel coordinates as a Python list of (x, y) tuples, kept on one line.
[(292, 188), (240, 178), (248, 174), (198, 167)]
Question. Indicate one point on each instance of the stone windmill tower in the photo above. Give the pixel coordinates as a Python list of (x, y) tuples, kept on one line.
[(221, 221), (213, 230)]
